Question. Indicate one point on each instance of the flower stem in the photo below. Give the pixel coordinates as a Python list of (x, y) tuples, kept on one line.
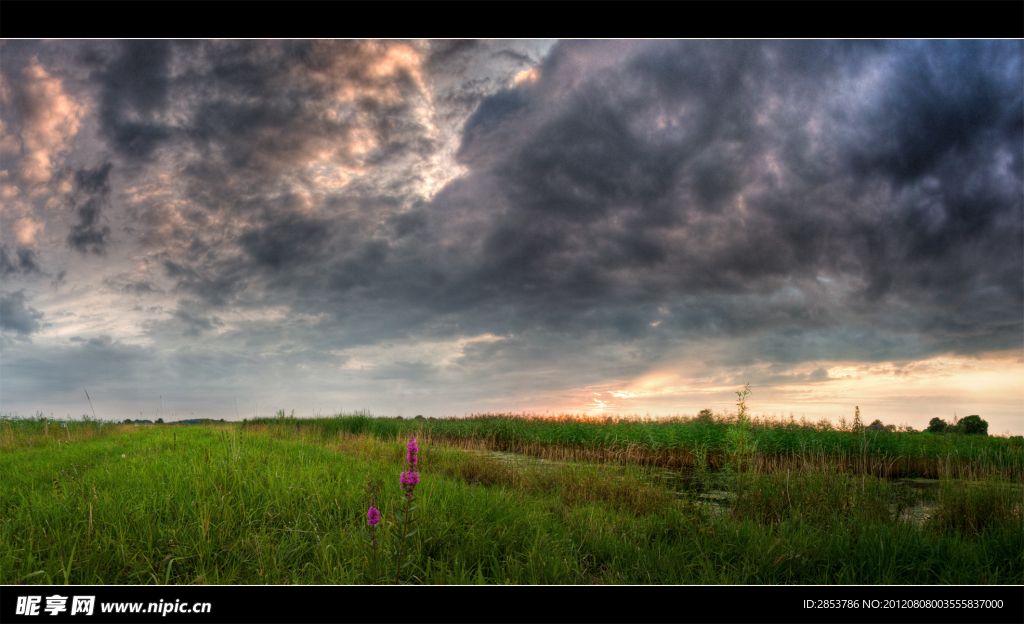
[(405, 527), (373, 543)]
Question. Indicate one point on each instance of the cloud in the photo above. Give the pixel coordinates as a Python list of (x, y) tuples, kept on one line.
[(288, 240), (99, 362), (262, 106), (92, 189), (603, 209), (16, 317), (47, 120), (136, 87), (194, 322), (686, 173), (746, 187), (26, 229), (23, 260)]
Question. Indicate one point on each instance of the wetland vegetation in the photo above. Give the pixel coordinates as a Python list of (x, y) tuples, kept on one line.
[(506, 499)]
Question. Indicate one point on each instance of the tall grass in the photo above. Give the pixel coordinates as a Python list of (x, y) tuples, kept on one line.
[(19, 431), (983, 506), (283, 503), (779, 444)]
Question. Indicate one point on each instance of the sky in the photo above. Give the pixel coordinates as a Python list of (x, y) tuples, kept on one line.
[(223, 228)]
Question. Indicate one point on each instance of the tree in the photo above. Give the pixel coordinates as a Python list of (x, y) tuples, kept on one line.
[(159, 421), (937, 425), (973, 425)]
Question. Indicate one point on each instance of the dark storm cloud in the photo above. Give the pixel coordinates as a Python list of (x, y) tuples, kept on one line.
[(691, 169), (92, 191), (217, 285), (445, 54), (135, 94), (953, 99), (244, 119), (649, 193), (267, 106), (242, 113), (16, 316), (23, 260), (288, 240)]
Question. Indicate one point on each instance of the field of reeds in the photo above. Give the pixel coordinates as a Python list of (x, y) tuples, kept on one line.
[(775, 443), (502, 499)]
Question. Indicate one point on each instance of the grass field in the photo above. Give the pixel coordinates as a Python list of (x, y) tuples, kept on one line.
[(502, 500)]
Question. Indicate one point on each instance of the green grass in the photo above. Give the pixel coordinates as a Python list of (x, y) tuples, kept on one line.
[(273, 502)]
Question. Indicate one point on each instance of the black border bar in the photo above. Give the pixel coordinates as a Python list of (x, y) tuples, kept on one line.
[(420, 603)]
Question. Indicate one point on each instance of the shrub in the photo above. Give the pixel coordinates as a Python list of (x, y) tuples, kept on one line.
[(973, 425)]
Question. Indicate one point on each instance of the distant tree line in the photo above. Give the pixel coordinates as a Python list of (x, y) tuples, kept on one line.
[(970, 425), (160, 421)]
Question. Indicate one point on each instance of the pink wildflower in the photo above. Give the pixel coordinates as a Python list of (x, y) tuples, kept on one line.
[(372, 516), (409, 480)]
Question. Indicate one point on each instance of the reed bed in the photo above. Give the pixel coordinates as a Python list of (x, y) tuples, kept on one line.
[(777, 444), (22, 431)]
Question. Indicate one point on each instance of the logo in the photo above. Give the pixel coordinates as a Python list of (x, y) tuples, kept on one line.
[(29, 605)]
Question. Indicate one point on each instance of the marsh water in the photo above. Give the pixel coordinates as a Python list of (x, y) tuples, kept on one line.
[(919, 496)]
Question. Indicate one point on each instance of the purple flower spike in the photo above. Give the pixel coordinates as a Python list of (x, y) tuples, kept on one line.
[(372, 517), (409, 479)]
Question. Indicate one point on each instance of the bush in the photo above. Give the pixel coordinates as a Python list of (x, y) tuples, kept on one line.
[(973, 425), (969, 425)]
